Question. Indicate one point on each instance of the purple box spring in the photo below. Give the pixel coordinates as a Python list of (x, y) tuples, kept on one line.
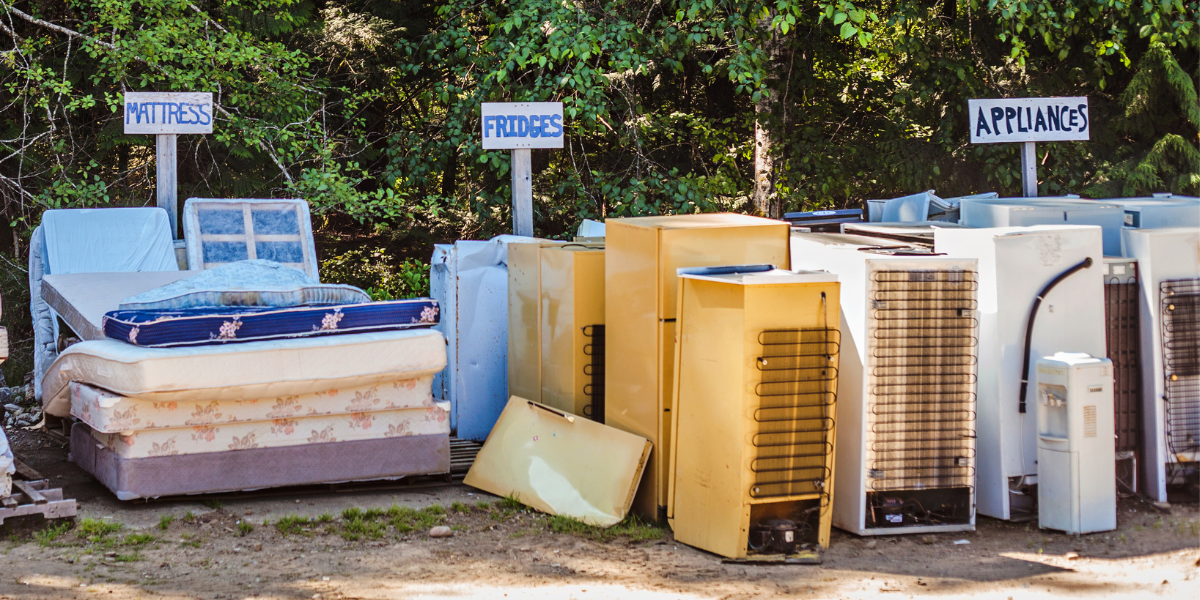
[(362, 460)]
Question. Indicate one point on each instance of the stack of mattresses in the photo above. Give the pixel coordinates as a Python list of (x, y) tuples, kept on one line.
[(196, 419)]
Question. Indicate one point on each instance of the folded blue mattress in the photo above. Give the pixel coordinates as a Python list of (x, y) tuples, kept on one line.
[(201, 326)]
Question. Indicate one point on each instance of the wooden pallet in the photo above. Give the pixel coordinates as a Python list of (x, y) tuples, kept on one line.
[(32, 495), (462, 456)]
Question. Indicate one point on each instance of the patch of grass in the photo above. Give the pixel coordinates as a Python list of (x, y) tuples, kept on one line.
[(363, 528), (324, 517), (138, 539), (430, 516), (511, 502), (458, 527), (213, 504), (352, 514), (402, 512), (165, 521), (47, 536), (95, 530), (188, 517), (292, 525), (244, 528), (520, 533), (483, 505), (407, 519), (131, 557), (459, 507), (631, 528)]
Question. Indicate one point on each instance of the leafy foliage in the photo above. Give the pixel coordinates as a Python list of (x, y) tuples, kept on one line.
[(369, 110)]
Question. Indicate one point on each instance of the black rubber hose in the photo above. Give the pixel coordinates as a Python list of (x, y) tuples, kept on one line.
[(1033, 311)]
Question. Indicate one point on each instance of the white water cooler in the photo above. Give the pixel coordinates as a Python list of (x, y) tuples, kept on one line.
[(1076, 444)]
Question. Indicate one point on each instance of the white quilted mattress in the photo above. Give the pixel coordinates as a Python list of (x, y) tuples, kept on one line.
[(107, 412), (249, 371), (429, 420)]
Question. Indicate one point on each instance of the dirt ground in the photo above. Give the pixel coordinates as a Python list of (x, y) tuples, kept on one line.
[(373, 543)]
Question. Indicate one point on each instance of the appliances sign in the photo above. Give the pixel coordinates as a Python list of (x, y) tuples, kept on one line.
[(162, 113), (519, 125), (994, 121)]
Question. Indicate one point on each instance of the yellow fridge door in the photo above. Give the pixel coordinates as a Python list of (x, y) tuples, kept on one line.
[(560, 464)]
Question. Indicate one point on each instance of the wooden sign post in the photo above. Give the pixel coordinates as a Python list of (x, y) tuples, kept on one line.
[(1028, 121), (166, 115), (521, 126)]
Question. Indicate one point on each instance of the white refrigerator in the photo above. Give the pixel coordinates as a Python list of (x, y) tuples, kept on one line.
[(1015, 265), (905, 439), (1169, 276)]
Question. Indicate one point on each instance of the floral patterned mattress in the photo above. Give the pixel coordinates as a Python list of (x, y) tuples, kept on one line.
[(429, 420), (251, 371), (107, 412), (162, 328)]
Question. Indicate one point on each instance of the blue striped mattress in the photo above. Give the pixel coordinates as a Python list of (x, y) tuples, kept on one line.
[(205, 326)]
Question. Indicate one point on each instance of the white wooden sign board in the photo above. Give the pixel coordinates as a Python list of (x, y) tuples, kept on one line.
[(160, 113), (520, 125), (166, 115), (995, 121)]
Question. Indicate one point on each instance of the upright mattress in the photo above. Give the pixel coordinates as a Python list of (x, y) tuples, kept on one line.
[(250, 371), (201, 439), (106, 412), (259, 468)]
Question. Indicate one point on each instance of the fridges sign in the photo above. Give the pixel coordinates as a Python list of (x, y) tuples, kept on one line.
[(517, 125), (995, 121), (168, 112)]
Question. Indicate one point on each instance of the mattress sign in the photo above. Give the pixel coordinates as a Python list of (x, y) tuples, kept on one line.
[(519, 125), (163, 113), (994, 121)]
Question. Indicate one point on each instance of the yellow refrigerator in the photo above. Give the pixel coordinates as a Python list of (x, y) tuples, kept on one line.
[(640, 262), (756, 389), (556, 326)]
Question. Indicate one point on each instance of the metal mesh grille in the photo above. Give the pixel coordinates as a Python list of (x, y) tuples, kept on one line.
[(794, 416), (1180, 305), (921, 380), (594, 369), (1123, 339)]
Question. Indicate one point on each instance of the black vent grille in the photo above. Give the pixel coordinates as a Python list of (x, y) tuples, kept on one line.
[(794, 417), (1123, 339), (921, 380), (1180, 305), (594, 350)]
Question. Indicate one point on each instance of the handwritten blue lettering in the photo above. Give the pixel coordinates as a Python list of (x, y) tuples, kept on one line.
[(167, 113), (521, 126)]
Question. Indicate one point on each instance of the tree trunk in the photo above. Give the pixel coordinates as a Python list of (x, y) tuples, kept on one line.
[(767, 126)]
